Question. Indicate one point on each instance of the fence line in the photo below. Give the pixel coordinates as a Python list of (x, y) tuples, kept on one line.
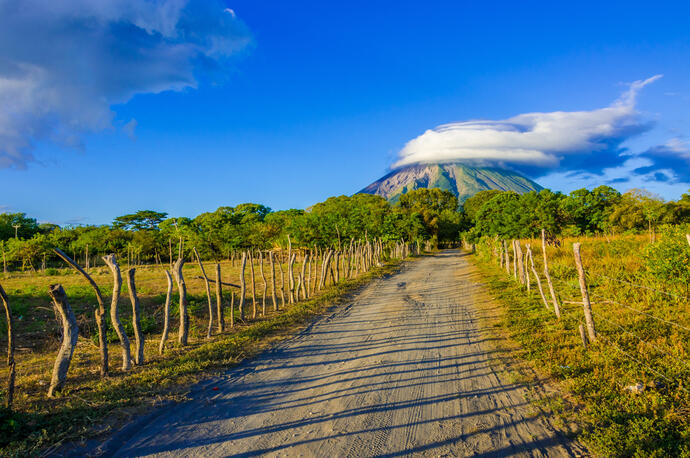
[(649, 288), (565, 285), (672, 323), (685, 363), (629, 356)]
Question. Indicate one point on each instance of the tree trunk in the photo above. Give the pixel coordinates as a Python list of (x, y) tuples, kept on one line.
[(99, 312), (166, 312), (243, 284), (11, 367), (219, 300), (70, 334), (265, 283), (111, 262), (136, 319), (251, 271), (554, 298), (209, 329), (182, 287), (273, 281)]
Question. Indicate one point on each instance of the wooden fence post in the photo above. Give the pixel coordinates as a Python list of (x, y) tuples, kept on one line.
[(111, 262), (589, 320), (10, 349), (99, 312), (273, 281), (219, 300), (166, 312), (536, 276), (70, 334), (208, 294), (184, 304), (243, 284), (136, 318), (554, 298)]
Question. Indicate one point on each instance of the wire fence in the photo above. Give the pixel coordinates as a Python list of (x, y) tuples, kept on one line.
[(569, 293)]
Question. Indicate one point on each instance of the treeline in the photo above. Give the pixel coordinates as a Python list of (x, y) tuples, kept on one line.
[(602, 210), (425, 216)]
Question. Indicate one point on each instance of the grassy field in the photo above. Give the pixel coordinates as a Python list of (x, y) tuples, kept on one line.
[(90, 405), (643, 326)]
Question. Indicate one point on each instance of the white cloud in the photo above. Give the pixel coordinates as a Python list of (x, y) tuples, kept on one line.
[(542, 140), (63, 64)]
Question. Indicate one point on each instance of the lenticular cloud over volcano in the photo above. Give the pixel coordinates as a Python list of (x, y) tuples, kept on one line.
[(536, 141)]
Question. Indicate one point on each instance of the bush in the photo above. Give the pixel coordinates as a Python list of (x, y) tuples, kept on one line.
[(668, 260)]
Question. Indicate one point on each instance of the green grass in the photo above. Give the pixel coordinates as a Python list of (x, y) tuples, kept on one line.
[(90, 406), (615, 422)]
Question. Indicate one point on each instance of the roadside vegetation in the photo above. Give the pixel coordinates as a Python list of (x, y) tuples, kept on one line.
[(630, 388), (278, 270)]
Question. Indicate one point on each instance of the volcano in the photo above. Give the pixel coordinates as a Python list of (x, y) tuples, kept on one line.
[(462, 180)]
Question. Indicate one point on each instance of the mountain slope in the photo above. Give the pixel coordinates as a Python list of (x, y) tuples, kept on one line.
[(463, 180)]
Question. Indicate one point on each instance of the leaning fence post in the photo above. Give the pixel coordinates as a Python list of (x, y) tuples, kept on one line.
[(10, 348), (556, 306), (589, 321), (70, 334)]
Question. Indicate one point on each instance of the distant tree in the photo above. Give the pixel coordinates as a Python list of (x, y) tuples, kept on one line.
[(25, 227), (590, 211), (143, 220), (438, 209), (474, 203)]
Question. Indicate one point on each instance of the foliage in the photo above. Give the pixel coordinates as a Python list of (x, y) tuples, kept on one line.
[(668, 260)]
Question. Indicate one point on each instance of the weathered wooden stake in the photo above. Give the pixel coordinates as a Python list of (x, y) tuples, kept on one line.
[(243, 284), (111, 262), (184, 304), (10, 349), (554, 298), (587, 306), (136, 319), (251, 271), (70, 335), (273, 281), (98, 312), (536, 277), (166, 312), (209, 329), (219, 300), (265, 283)]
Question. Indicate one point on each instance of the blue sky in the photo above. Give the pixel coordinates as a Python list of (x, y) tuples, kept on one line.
[(184, 106)]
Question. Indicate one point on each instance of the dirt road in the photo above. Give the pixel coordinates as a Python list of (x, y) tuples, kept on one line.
[(406, 368)]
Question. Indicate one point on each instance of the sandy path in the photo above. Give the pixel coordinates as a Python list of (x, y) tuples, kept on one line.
[(404, 369)]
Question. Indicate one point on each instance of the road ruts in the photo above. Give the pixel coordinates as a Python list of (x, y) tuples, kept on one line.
[(404, 369)]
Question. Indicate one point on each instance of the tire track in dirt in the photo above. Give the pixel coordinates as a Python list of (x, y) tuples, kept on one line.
[(406, 369)]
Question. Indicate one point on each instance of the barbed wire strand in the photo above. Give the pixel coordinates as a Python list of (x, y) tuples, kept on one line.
[(679, 326), (661, 350), (629, 356), (649, 288)]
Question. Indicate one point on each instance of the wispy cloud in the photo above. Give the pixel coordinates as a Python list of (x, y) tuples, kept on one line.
[(64, 64), (537, 142)]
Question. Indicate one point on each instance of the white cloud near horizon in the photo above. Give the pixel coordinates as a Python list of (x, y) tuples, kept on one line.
[(534, 140), (64, 64)]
